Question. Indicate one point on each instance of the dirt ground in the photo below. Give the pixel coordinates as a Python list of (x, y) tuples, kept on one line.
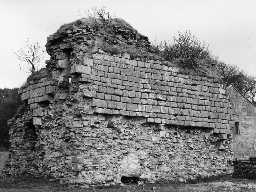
[(230, 185)]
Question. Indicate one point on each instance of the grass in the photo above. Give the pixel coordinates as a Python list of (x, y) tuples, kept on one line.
[(42, 185)]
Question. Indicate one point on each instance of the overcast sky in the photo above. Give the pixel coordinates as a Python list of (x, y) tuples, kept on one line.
[(228, 26)]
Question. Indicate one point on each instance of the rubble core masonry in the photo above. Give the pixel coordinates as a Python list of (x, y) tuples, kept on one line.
[(91, 117)]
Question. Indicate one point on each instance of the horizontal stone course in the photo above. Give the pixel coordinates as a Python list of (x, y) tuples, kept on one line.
[(161, 90)]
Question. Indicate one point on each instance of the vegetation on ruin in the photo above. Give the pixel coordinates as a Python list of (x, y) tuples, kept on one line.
[(186, 50), (189, 52)]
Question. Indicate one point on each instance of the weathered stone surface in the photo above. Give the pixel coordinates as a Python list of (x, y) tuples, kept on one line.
[(107, 116), (37, 121), (62, 63), (80, 69), (130, 166)]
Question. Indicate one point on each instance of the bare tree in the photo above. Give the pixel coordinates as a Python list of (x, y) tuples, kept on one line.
[(31, 55), (100, 13)]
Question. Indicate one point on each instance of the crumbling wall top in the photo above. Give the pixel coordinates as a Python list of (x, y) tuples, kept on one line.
[(114, 36)]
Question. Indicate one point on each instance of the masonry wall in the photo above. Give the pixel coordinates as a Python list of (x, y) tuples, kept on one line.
[(83, 132), (244, 145), (92, 118), (151, 90), (159, 92)]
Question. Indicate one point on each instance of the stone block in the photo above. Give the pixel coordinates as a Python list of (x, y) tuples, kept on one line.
[(37, 92), (134, 63), (50, 89), (142, 108), (162, 133), (139, 114), (62, 64), (111, 104), (41, 99), (124, 112), (100, 103), (79, 69), (87, 78), (141, 64), (37, 121), (147, 65), (100, 95), (98, 56), (107, 97), (135, 100), (132, 107), (163, 109), (138, 94), (89, 93), (33, 106), (25, 96), (144, 96), (156, 109), (77, 124), (118, 92), (30, 101), (158, 120), (131, 93), (132, 113), (126, 99), (173, 105), (148, 108), (101, 110), (115, 98), (38, 112), (120, 105), (61, 96), (150, 120), (87, 61)]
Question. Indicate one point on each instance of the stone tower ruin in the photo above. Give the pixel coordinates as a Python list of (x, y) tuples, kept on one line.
[(106, 107)]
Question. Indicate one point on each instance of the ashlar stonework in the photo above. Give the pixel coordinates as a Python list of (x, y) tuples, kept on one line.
[(91, 117)]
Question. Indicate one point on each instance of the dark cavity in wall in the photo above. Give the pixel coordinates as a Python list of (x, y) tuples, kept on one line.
[(30, 135), (236, 128), (67, 52), (130, 180), (44, 104)]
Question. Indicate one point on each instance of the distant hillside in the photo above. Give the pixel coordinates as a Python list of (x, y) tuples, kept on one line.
[(9, 102)]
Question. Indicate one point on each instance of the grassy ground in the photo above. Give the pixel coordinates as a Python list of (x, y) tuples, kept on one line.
[(45, 186), (41, 185)]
